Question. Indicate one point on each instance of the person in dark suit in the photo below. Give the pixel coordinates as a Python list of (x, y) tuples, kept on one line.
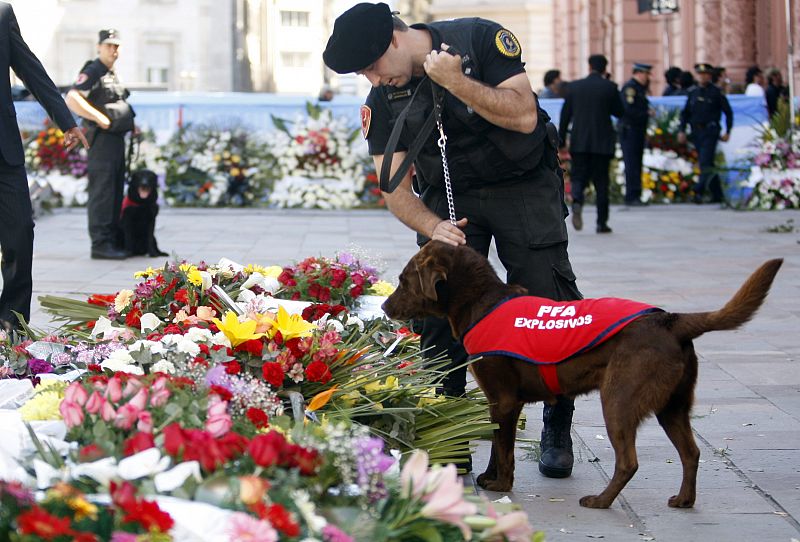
[(16, 215), (588, 107)]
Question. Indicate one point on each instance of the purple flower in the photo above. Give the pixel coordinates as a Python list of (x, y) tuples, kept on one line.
[(144, 290), (763, 159), (347, 259), (371, 463), (216, 377), (60, 359), (39, 366)]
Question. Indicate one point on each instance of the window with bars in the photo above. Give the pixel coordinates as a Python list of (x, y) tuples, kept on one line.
[(294, 18)]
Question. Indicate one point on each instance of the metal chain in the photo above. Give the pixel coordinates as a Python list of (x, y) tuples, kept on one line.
[(447, 185)]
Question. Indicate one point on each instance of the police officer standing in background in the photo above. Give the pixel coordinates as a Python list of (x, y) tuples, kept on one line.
[(16, 215), (99, 98), (705, 104), (633, 130), (502, 165)]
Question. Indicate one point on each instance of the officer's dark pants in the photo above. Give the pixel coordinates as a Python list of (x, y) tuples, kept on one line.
[(106, 169), (632, 140), (705, 141), (527, 223), (16, 242), (588, 166)]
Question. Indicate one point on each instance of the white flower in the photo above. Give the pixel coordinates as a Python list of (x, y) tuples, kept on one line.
[(149, 322), (163, 366), (146, 463)]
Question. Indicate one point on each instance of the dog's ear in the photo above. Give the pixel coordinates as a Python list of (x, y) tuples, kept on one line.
[(430, 272)]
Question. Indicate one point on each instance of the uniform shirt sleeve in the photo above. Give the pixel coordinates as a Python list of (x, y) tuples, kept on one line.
[(686, 113), (495, 66), (726, 108), (90, 75), (380, 126)]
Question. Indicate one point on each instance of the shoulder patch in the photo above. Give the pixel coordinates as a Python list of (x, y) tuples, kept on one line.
[(630, 94), (82, 77), (507, 43), (366, 118)]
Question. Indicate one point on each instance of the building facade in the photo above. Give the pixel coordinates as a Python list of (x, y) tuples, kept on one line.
[(167, 44), (735, 34), (531, 21)]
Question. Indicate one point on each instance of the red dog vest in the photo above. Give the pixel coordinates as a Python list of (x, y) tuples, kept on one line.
[(547, 332)]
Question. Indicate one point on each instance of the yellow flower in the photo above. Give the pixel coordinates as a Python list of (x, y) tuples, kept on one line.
[(235, 159), (44, 405), (187, 267), (82, 508), (226, 155), (237, 332), (254, 268), (383, 288), (272, 272), (291, 326), (321, 399), (146, 274), (194, 277), (659, 131), (122, 300), (264, 322), (217, 158), (671, 194), (235, 172)]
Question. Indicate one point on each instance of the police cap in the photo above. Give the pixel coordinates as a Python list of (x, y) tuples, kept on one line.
[(109, 36), (360, 37), (642, 67), (703, 67)]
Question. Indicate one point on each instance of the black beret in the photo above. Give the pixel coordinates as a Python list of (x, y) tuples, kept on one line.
[(360, 37)]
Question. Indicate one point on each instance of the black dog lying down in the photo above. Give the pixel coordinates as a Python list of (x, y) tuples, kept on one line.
[(138, 215)]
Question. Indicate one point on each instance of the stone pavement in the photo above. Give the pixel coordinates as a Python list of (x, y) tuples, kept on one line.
[(682, 258)]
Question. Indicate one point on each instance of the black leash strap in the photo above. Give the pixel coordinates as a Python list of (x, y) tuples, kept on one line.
[(387, 184)]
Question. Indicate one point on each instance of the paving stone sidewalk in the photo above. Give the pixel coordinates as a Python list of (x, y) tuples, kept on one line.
[(682, 258)]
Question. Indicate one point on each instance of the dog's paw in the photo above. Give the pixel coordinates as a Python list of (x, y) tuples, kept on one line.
[(157, 254), (486, 477), (495, 485), (594, 501), (677, 501)]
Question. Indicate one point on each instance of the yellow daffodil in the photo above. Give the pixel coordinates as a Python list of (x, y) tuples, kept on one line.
[(291, 326), (383, 288), (237, 332), (146, 274)]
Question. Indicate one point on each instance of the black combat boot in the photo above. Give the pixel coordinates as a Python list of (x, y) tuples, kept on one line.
[(556, 457)]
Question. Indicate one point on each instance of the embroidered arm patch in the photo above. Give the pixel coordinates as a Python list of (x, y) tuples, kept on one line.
[(507, 44)]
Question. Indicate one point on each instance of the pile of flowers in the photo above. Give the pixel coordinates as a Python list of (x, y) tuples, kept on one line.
[(775, 171), (57, 176), (320, 161), (206, 167), (229, 402)]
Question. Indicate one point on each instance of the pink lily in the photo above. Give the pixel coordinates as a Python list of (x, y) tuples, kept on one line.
[(446, 500), (414, 474)]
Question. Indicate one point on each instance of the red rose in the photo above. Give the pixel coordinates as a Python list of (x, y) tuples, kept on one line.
[(356, 291), (139, 442), (318, 371), (282, 520), (338, 278), (305, 459), (222, 393), (253, 347), (123, 494), (258, 417), (267, 450), (324, 294), (174, 440), (273, 373), (233, 368)]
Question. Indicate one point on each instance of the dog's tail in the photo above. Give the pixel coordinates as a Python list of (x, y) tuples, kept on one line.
[(742, 306)]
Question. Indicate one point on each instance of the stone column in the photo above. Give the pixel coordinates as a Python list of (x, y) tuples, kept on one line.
[(709, 33), (738, 43)]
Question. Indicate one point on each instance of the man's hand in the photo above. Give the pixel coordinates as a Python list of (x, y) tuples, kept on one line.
[(725, 137), (448, 233), (72, 137), (443, 68), (682, 138)]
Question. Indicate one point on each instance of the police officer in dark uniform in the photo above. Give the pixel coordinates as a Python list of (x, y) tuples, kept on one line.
[(705, 104), (633, 130), (501, 162), (99, 98)]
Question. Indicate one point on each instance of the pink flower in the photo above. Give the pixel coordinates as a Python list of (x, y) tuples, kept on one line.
[(218, 422), (159, 394), (131, 387), (145, 424), (445, 501), (119, 536), (140, 399), (513, 526), (114, 389), (414, 473), (71, 412), (127, 415), (76, 394), (244, 528), (95, 403), (108, 413)]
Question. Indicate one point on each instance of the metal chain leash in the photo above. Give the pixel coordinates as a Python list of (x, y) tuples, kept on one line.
[(442, 143)]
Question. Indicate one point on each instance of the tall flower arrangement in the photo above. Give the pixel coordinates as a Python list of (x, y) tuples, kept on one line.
[(207, 167), (320, 161)]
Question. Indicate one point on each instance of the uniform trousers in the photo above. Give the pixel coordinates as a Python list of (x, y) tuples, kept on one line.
[(16, 242), (588, 166), (526, 221), (106, 171), (705, 141), (631, 139)]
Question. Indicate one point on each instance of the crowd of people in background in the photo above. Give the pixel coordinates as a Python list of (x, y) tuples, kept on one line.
[(768, 85)]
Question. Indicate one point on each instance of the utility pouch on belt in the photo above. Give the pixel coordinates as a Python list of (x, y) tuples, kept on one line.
[(121, 116)]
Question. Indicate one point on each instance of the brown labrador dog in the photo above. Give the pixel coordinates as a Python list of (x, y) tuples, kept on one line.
[(650, 367)]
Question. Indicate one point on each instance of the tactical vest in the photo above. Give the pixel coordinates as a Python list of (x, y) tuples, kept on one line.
[(478, 152), (109, 97)]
